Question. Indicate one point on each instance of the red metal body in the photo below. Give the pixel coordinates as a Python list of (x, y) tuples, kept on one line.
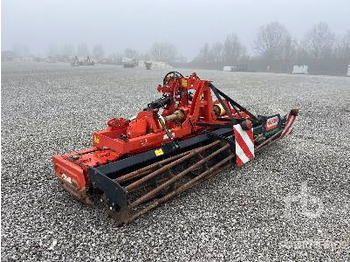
[(191, 102)]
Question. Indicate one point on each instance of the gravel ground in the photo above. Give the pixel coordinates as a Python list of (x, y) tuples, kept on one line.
[(292, 203)]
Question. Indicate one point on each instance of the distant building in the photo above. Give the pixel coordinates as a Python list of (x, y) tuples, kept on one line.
[(227, 69), (236, 68), (348, 73), (300, 69)]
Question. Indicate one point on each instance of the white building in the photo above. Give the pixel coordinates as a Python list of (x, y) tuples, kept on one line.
[(300, 69)]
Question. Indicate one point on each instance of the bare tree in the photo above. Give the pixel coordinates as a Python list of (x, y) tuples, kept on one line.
[(319, 41), (233, 50), (83, 50), (21, 50), (181, 59), (217, 53), (67, 50), (343, 48), (273, 42), (298, 53), (52, 50), (145, 55), (165, 52), (116, 57), (131, 53), (98, 51), (204, 54)]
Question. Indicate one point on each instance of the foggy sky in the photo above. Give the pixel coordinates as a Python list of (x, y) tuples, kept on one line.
[(137, 24)]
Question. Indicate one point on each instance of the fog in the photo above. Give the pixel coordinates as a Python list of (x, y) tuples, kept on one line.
[(117, 25)]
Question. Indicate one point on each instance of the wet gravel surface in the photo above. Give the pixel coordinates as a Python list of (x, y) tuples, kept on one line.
[(292, 203)]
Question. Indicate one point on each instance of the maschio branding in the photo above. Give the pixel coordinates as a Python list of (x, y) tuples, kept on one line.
[(272, 123)]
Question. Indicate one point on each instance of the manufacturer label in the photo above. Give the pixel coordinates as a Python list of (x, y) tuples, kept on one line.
[(96, 139), (272, 123)]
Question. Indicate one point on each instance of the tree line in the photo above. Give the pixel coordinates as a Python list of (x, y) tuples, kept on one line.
[(159, 51), (276, 50)]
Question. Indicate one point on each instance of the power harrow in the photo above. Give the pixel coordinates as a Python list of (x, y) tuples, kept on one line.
[(191, 133)]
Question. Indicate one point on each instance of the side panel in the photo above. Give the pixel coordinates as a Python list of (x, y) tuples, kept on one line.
[(69, 172), (115, 194)]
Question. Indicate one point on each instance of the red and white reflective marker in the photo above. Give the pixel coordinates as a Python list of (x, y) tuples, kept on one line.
[(244, 144), (289, 126)]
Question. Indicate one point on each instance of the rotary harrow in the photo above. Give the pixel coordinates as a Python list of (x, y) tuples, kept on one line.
[(191, 133)]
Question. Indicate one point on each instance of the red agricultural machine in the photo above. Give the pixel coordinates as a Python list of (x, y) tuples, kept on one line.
[(191, 133)]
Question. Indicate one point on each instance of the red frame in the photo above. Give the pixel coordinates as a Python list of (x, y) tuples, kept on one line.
[(130, 137)]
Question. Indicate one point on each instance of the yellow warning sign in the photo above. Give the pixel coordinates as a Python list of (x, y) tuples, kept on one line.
[(159, 152)]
